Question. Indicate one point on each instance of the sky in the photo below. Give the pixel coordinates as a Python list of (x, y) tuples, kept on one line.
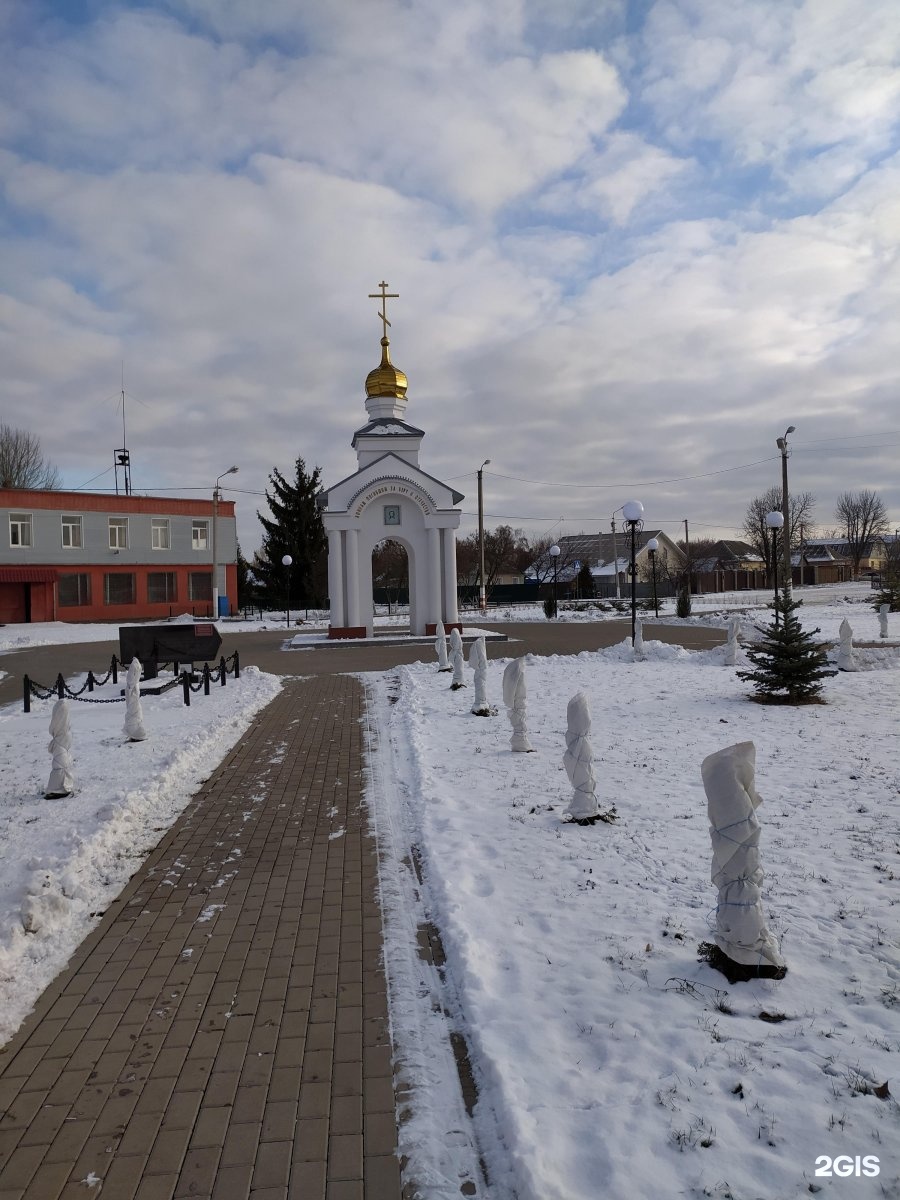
[(632, 243)]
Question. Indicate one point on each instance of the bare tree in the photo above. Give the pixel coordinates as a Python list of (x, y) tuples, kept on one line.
[(863, 518), (506, 551), (802, 506), (390, 569), (22, 465)]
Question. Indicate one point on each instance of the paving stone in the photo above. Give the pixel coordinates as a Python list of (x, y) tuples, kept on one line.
[(261, 1063)]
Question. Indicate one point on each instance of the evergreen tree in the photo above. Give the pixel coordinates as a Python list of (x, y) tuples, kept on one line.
[(585, 582), (295, 528), (790, 664), (683, 598)]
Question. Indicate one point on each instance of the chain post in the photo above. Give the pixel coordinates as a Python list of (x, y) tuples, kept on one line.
[(90, 681), (237, 665), (186, 687), (26, 694), (114, 667), (223, 671), (206, 679), (60, 686)]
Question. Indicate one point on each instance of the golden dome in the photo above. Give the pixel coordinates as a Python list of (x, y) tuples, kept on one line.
[(386, 380)]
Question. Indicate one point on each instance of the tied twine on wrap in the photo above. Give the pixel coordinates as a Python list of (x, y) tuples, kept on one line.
[(134, 715), (61, 781), (732, 800), (457, 658), (579, 760), (514, 697), (440, 646), (478, 663)]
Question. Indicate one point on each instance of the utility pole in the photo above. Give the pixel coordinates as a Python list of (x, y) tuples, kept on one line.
[(782, 445), (687, 554), (482, 595)]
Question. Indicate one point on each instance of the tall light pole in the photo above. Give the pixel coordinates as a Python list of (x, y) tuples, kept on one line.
[(775, 521), (633, 512), (615, 555), (652, 547), (482, 597), (215, 556), (782, 445), (286, 563), (554, 554)]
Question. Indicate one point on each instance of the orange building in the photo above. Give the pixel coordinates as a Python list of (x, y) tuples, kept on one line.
[(83, 556)]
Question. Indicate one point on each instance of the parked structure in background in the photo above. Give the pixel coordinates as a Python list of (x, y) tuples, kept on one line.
[(85, 556)]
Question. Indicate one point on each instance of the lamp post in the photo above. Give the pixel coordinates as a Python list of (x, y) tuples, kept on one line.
[(554, 554), (782, 445), (633, 512), (482, 598), (615, 555), (215, 556), (775, 521), (652, 547), (286, 563)]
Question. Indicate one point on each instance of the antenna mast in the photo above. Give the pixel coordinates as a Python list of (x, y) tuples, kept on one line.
[(122, 457)]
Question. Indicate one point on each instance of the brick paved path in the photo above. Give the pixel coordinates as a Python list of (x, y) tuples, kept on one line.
[(223, 1033)]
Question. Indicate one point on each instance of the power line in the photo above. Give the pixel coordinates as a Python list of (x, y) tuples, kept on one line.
[(643, 484)]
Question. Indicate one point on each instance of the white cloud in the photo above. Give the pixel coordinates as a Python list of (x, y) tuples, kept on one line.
[(580, 300)]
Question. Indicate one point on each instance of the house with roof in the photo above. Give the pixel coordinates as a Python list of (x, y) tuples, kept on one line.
[(731, 566), (828, 559), (608, 556), (88, 556)]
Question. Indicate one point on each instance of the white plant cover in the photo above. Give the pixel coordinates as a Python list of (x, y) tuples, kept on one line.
[(883, 619), (457, 658), (134, 714), (579, 759), (61, 780), (731, 646), (638, 638), (741, 932), (440, 645), (846, 659), (514, 699), (478, 663)]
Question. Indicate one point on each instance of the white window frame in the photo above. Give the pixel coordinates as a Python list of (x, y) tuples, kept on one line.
[(21, 521), (160, 525), (199, 527), (69, 522), (118, 526)]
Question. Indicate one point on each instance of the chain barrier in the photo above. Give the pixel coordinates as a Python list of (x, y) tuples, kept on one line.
[(62, 690)]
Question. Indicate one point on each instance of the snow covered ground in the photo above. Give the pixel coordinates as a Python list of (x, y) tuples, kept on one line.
[(610, 1061), (63, 861)]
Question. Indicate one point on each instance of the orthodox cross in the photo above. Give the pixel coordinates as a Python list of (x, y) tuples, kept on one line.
[(385, 296)]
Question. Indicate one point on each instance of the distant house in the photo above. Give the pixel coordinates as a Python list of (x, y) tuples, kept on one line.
[(732, 566), (827, 560), (85, 556), (609, 556)]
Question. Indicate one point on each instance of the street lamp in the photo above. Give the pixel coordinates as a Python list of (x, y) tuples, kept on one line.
[(554, 554), (633, 512), (215, 557), (782, 445), (286, 563), (482, 598), (615, 554), (652, 547), (775, 521)]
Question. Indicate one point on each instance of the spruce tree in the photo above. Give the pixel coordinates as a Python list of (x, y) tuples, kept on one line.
[(295, 528), (790, 664)]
